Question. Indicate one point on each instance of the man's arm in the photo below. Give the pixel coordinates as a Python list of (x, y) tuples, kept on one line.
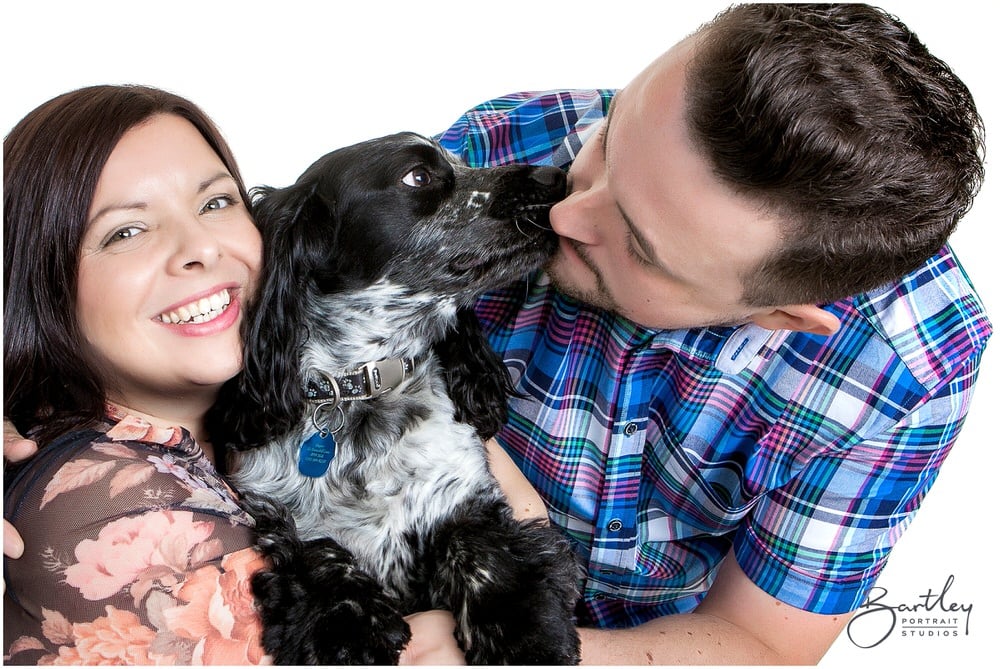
[(520, 494), (737, 623)]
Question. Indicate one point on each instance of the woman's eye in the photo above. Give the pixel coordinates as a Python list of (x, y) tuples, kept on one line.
[(220, 202), (417, 178), (121, 234)]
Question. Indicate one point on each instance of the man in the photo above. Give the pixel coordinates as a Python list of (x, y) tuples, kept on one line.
[(753, 349), (731, 441)]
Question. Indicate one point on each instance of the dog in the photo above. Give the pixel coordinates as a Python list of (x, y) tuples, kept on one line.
[(369, 483)]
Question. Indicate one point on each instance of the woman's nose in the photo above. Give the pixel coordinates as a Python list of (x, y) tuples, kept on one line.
[(197, 247)]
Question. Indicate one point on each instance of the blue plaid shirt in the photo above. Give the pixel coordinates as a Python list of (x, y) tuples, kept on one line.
[(657, 451)]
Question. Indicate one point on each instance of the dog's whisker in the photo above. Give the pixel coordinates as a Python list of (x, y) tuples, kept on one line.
[(529, 221)]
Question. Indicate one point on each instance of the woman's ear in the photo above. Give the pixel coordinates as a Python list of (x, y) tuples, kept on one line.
[(800, 318)]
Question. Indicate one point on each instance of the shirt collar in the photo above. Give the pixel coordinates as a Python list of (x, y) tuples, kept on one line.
[(728, 349)]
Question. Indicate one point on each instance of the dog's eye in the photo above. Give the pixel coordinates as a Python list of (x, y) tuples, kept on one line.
[(417, 178)]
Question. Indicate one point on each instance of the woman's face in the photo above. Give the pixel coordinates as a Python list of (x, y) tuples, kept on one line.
[(168, 258)]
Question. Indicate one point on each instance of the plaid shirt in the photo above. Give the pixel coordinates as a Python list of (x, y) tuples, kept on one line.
[(656, 451)]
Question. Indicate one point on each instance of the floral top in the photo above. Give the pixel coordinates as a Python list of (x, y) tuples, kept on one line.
[(136, 552)]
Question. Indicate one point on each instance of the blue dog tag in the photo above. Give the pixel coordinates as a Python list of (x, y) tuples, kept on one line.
[(316, 453)]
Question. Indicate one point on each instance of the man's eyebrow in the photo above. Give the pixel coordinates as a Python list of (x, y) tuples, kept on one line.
[(643, 243), (607, 125)]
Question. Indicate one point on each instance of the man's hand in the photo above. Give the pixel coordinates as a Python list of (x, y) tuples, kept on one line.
[(15, 449), (433, 641)]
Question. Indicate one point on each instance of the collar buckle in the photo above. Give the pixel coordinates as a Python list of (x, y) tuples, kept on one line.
[(384, 375)]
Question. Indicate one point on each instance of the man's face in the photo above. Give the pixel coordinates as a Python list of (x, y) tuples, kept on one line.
[(648, 231)]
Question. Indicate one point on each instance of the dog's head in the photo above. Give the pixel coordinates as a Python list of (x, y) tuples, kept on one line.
[(403, 210), (397, 211)]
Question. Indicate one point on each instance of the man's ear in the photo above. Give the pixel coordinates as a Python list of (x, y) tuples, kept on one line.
[(800, 318)]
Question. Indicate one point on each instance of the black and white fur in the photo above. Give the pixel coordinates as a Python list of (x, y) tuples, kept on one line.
[(377, 252)]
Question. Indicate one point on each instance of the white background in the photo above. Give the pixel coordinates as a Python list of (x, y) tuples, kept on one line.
[(288, 80)]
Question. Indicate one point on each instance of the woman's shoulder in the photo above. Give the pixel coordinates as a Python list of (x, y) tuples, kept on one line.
[(133, 538), (124, 466)]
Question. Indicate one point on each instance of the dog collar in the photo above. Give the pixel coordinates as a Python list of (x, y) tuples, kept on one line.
[(368, 381), (326, 392)]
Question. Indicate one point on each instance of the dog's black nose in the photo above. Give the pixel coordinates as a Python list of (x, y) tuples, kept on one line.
[(550, 177)]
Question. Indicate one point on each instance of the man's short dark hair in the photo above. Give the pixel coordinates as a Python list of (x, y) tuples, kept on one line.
[(840, 122)]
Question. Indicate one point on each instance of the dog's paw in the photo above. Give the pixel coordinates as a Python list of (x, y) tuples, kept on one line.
[(513, 586), (317, 606), (478, 382), (354, 625), (321, 609)]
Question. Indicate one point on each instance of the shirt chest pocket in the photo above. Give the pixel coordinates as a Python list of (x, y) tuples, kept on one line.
[(690, 497)]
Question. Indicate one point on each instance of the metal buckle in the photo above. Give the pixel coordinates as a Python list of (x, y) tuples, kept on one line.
[(384, 375)]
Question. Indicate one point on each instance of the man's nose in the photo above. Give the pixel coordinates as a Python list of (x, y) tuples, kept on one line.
[(579, 215)]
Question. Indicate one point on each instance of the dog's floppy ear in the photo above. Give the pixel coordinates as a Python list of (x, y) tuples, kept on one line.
[(478, 381), (267, 398)]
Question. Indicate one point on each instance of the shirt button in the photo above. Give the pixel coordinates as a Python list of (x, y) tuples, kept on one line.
[(631, 429), (615, 525)]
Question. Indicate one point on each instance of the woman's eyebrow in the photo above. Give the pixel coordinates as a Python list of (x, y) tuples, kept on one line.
[(207, 183), (139, 205), (117, 206)]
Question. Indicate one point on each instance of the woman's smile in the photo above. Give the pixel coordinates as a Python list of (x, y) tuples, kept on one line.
[(170, 234), (199, 310)]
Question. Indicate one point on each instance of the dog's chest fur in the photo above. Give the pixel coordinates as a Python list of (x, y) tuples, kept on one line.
[(402, 463)]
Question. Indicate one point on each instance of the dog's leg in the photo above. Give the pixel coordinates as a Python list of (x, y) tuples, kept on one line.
[(511, 585), (478, 382), (317, 606)]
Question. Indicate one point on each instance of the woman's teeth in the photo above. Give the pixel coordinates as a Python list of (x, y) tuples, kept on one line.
[(201, 311)]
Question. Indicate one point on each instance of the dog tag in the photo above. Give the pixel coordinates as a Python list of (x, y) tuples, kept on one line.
[(316, 453)]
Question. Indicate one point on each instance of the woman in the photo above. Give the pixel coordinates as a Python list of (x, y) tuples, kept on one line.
[(129, 253), (129, 256)]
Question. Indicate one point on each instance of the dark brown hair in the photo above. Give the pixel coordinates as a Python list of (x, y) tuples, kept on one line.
[(838, 120), (52, 161)]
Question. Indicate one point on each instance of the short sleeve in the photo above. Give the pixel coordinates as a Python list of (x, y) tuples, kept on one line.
[(819, 542)]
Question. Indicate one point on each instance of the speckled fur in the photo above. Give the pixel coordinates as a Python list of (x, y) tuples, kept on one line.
[(360, 266)]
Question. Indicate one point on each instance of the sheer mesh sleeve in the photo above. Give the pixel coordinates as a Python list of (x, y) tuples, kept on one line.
[(136, 552)]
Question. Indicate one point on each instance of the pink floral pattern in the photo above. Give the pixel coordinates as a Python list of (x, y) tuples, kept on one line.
[(142, 556), (116, 638), (128, 548), (218, 611)]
